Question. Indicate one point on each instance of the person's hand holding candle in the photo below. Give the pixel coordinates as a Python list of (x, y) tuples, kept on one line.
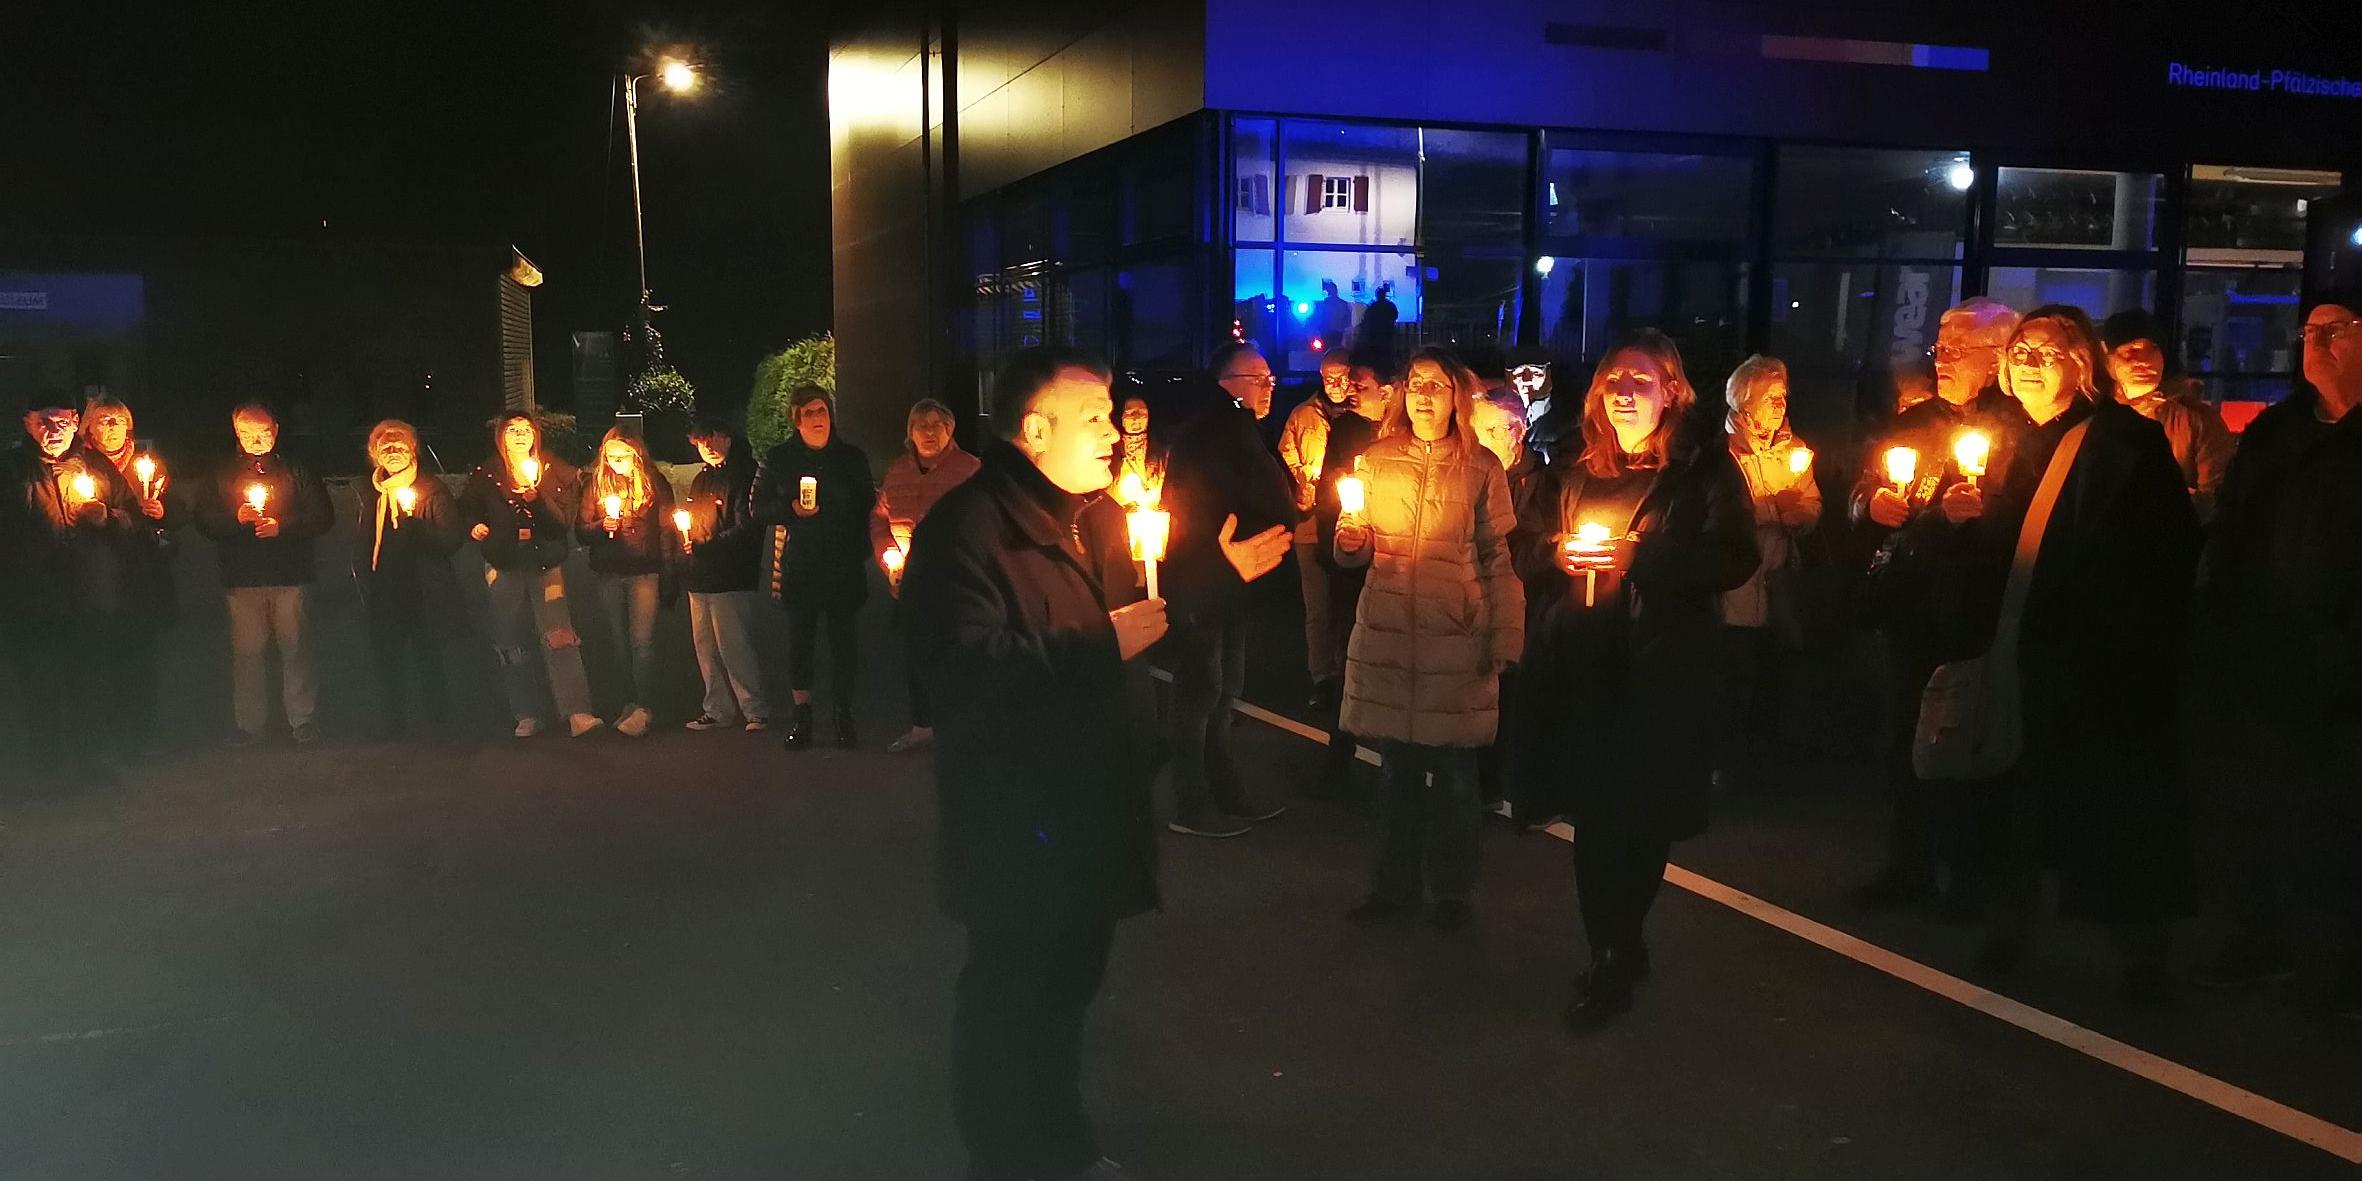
[(681, 523), (250, 510), (1150, 527), (613, 507), (1352, 498), (1971, 450), (807, 496)]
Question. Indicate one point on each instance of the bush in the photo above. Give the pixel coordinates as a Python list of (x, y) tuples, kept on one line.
[(810, 361), (662, 389)]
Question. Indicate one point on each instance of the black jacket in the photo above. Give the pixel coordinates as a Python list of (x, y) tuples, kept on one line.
[(1219, 467), (60, 564), (297, 499), (725, 530), (530, 528), (1039, 756), (827, 561), (644, 542), (1630, 682), (411, 579), (1349, 436), (1908, 591)]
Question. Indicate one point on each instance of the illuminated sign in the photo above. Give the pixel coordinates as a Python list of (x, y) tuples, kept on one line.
[(24, 301), (2260, 81)]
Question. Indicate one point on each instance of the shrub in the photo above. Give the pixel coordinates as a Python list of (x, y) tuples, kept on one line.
[(810, 361), (662, 389)]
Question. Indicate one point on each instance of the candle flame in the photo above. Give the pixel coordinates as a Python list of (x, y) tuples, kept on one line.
[(1131, 490), (681, 520), (85, 488), (1351, 496), (145, 467), (406, 497), (1593, 533), (1149, 529), (894, 559), (1800, 460), (529, 471), (1902, 464), (258, 496), (1972, 449), (613, 505)]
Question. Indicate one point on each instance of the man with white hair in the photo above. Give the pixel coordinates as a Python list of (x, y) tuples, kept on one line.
[(1967, 356)]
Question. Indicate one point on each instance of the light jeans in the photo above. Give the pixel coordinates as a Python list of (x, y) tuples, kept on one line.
[(529, 611), (631, 601), (721, 628), (260, 615)]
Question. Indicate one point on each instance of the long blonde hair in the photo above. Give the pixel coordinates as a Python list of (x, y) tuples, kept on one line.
[(1603, 456), (637, 489)]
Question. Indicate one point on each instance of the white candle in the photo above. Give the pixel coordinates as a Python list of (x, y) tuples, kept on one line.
[(145, 468), (614, 507), (1351, 496), (405, 503), (258, 496), (1972, 449), (808, 492), (1902, 464), (529, 472), (1800, 460), (1149, 528), (681, 525)]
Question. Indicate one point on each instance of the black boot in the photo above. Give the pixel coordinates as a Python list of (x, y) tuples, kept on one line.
[(799, 726), (846, 739), (1602, 994)]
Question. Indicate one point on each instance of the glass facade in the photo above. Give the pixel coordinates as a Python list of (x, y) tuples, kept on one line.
[(2243, 272)]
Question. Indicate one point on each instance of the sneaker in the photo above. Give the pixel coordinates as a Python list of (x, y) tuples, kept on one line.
[(758, 725), (633, 723), (912, 739), (2243, 969), (307, 734), (581, 724), (1449, 914), (1217, 827), (706, 722), (528, 727)]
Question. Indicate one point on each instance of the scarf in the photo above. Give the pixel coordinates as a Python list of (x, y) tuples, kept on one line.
[(386, 487)]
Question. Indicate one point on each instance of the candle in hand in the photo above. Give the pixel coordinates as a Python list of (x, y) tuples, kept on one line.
[(529, 473), (1590, 537), (1800, 460), (257, 496), (1351, 496), (1149, 528), (681, 524), (614, 507), (145, 468), (406, 501), (1972, 449), (808, 492), (893, 559), (82, 488), (1132, 491), (1902, 464)]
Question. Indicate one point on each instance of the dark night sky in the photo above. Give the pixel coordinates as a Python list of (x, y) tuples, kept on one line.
[(450, 120)]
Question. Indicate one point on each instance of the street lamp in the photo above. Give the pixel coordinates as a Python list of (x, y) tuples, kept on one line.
[(679, 77)]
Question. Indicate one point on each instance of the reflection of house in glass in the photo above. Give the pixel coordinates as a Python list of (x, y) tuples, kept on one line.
[(1737, 175)]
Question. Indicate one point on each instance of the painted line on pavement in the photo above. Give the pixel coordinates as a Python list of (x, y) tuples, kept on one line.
[(2205, 1088)]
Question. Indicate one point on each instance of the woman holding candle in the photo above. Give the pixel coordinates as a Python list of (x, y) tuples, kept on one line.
[(1761, 627), (1136, 452), (153, 602), (931, 464), (721, 545), (520, 506), (1440, 616), (2100, 794), (818, 486), (1630, 546), (626, 525), (406, 529)]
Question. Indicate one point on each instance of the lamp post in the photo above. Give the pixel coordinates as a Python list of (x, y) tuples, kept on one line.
[(678, 77)]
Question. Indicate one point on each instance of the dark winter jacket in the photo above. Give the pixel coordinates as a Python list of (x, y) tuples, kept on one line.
[(530, 527), (411, 580), (2276, 548), (149, 548), (1629, 682), (61, 564), (644, 541), (297, 499), (1219, 467), (1039, 757), (725, 531), (827, 560), (1908, 590)]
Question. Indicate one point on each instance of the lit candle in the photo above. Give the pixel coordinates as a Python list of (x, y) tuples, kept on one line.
[(145, 468), (1902, 464), (257, 496), (1972, 449), (614, 507), (808, 492), (893, 559), (405, 503), (1590, 537), (529, 472), (1132, 490), (1149, 528), (83, 487), (901, 534), (681, 525), (1351, 496), (1800, 460)]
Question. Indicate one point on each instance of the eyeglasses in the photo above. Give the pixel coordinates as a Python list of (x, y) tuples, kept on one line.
[(1955, 352), (1258, 380), (2043, 355), (2323, 334), (1439, 389)]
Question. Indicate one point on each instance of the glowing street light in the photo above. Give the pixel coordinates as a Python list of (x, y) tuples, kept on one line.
[(679, 76)]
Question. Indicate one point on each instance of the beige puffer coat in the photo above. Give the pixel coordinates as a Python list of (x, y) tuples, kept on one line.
[(1441, 608)]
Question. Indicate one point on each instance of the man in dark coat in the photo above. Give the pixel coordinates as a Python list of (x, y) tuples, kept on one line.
[(262, 511), (1967, 354), (1233, 512), (2285, 574), (1047, 825), (67, 519)]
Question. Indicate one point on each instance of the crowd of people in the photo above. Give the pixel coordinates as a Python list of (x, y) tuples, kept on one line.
[(1567, 605)]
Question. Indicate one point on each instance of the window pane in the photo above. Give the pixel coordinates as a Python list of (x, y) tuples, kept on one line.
[(2099, 293), (2071, 209), (1869, 203), (1590, 304), (1255, 198), (2252, 216), (2239, 321), (1328, 297), (1624, 203), (1084, 296), (1472, 296), (1159, 178), (1254, 302), (1379, 167), (1150, 316), (1835, 322), (1473, 187)]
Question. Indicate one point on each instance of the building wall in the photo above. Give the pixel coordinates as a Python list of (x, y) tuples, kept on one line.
[(879, 206)]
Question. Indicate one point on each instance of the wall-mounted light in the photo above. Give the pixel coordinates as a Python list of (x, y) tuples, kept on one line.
[(2356, 236), (1544, 265), (1961, 176)]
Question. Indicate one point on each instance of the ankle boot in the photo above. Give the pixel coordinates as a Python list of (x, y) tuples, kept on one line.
[(1602, 994), (846, 739), (799, 726)]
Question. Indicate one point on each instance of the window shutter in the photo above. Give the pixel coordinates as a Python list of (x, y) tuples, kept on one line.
[(1312, 189), (1263, 194), (1361, 194)]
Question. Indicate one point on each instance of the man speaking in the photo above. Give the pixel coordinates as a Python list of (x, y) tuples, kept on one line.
[(1047, 831)]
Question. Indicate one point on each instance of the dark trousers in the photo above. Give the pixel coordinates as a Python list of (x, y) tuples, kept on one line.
[(1923, 833), (2297, 829), (1016, 1049), (140, 639), (1493, 761), (1751, 702), (401, 644), (1617, 875), (922, 713), (1209, 671), (2009, 825), (803, 652), (1432, 829), (63, 671)]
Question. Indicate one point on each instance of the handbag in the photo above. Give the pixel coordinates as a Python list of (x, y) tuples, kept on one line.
[(1972, 714)]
